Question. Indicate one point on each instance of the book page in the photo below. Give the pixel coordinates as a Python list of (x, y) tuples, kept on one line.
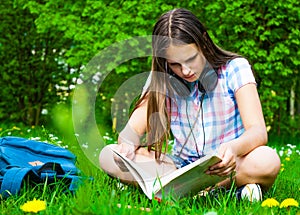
[(144, 179), (190, 179)]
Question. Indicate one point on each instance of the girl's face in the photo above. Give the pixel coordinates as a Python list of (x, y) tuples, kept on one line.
[(186, 61)]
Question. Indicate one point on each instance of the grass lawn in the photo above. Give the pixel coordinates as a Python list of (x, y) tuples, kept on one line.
[(105, 195)]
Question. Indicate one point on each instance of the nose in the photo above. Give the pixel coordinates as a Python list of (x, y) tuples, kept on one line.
[(185, 70)]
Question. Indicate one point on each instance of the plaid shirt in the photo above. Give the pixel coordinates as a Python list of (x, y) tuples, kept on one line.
[(221, 118)]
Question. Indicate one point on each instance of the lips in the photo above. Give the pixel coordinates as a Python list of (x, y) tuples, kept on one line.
[(189, 77)]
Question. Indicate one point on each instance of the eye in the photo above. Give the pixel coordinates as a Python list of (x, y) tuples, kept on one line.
[(190, 60), (174, 64)]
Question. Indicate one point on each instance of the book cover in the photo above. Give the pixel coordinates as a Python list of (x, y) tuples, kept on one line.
[(188, 180)]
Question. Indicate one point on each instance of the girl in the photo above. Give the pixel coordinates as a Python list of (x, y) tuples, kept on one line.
[(206, 99)]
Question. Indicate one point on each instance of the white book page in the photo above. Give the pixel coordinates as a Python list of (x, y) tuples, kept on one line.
[(188, 179)]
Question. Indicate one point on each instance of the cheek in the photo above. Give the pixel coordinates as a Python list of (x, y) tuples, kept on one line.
[(176, 70), (199, 66)]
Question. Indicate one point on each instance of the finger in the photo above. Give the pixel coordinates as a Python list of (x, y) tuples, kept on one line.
[(130, 155), (226, 170)]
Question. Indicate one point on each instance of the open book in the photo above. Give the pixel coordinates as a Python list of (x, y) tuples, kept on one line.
[(188, 180)]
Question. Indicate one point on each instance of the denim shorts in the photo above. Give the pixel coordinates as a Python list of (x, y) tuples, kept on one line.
[(178, 161)]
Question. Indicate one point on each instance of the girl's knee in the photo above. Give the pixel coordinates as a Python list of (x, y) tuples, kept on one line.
[(106, 158), (268, 159), (109, 166), (261, 166), (263, 158)]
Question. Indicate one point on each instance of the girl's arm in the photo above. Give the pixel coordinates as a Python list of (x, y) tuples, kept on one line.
[(255, 131), (253, 120), (129, 138)]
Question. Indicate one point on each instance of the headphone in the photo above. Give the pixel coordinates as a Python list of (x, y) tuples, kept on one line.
[(207, 81)]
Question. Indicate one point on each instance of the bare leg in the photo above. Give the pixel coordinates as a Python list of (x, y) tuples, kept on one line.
[(143, 158), (260, 166)]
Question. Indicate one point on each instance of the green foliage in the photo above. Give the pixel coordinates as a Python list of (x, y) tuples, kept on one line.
[(266, 33), (31, 67), (46, 44)]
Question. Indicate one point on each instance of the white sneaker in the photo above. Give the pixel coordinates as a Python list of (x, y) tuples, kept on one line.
[(250, 191)]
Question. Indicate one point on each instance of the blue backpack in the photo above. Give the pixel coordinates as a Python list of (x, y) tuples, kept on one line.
[(38, 162)]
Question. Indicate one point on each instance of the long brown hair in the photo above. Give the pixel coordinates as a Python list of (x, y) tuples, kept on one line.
[(176, 27)]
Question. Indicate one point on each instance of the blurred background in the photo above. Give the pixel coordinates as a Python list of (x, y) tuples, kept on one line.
[(46, 44)]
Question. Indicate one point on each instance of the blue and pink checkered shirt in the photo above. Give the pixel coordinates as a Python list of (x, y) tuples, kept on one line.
[(221, 118)]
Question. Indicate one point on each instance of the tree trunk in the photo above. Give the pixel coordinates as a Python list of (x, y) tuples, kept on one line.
[(292, 99)]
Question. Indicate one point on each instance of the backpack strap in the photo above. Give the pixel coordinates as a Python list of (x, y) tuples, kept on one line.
[(53, 169), (12, 180), (14, 176), (74, 181)]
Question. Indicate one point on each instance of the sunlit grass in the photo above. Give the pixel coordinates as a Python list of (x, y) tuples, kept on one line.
[(104, 195)]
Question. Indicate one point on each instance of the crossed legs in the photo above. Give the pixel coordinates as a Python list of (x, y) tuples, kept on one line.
[(260, 166), (145, 160)]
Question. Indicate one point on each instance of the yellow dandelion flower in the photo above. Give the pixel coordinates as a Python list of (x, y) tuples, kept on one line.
[(289, 202), (270, 202), (287, 158), (16, 128), (34, 206)]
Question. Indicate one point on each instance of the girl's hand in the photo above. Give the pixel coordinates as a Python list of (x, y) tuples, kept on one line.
[(127, 150), (228, 163)]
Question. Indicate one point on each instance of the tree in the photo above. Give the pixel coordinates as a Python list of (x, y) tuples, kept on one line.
[(32, 66), (44, 54), (267, 33)]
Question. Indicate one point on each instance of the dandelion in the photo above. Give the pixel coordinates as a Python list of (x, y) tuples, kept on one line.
[(16, 128), (288, 203), (287, 158), (34, 206), (270, 202)]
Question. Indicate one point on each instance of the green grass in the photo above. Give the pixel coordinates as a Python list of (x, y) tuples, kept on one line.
[(104, 195)]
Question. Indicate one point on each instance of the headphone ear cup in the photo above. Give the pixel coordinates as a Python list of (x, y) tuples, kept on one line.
[(181, 89), (208, 79), (177, 84)]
